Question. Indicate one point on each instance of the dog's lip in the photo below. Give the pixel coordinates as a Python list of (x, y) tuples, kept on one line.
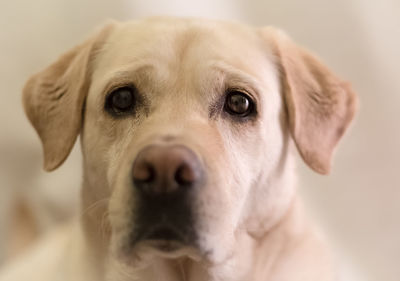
[(166, 246), (170, 249), (164, 237), (163, 233)]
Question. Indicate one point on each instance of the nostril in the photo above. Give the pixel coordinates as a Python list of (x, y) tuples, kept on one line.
[(144, 173), (185, 175), (165, 169)]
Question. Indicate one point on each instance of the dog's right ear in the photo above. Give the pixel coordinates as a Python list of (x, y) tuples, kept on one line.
[(53, 99)]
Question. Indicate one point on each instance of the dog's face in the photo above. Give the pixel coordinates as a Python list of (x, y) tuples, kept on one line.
[(200, 103), (186, 129)]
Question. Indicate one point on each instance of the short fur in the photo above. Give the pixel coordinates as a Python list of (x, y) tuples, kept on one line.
[(249, 220)]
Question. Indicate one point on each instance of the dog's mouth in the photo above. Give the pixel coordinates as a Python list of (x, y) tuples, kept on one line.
[(163, 225), (164, 233), (162, 240), (163, 237)]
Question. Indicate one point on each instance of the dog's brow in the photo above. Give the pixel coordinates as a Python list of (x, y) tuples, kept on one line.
[(235, 77), (137, 72), (136, 69), (230, 77)]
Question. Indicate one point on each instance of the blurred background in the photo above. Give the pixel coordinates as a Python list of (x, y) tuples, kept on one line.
[(357, 206)]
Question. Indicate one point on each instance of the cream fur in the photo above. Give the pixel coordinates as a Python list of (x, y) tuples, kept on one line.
[(249, 220)]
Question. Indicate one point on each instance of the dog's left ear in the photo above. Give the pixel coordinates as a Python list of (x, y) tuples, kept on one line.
[(53, 99), (320, 106)]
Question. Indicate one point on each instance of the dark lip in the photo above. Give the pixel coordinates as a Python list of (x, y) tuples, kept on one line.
[(166, 246), (163, 233), (164, 237)]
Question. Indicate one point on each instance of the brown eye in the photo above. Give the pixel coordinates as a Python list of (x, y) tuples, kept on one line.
[(238, 103), (121, 101)]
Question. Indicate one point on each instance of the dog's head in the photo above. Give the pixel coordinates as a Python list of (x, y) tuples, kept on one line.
[(186, 127)]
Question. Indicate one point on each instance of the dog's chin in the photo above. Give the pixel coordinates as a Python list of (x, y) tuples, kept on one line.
[(167, 249), (160, 242), (145, 252)]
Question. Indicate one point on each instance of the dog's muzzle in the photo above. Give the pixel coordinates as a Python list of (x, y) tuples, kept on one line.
[(164, 178)]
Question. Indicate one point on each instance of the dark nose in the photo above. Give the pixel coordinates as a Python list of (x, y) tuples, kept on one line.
[(166, 169)]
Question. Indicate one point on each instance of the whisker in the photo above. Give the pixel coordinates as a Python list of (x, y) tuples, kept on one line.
[(182, 270), (105, 225), (94, 205)]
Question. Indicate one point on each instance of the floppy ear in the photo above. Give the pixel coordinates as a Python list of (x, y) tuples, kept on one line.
[(320, 106), (53, 99)]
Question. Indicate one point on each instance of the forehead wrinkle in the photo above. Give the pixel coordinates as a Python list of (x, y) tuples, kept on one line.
[(223, 76), (185, 41), (235, 77), (139, 73)]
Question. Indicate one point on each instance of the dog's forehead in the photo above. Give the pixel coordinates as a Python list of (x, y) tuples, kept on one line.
[(182, 42)]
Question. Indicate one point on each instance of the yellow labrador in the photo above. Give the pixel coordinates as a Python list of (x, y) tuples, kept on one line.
[(186, 129)]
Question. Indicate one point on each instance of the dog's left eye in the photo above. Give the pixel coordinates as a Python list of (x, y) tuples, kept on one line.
[(239, 104), (121, 101)]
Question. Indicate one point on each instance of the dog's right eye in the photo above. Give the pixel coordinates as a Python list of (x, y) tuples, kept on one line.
[(121, 101)]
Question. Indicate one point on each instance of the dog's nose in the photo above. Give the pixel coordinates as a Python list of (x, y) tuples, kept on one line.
[(166, 169)]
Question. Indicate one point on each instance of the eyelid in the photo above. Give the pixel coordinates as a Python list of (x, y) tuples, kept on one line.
[(244, 88), (244, 91), (241, 90), (115, 86), (231, 76), (134, 75)]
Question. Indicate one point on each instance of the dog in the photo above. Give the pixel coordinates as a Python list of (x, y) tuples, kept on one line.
[(189, 130)]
